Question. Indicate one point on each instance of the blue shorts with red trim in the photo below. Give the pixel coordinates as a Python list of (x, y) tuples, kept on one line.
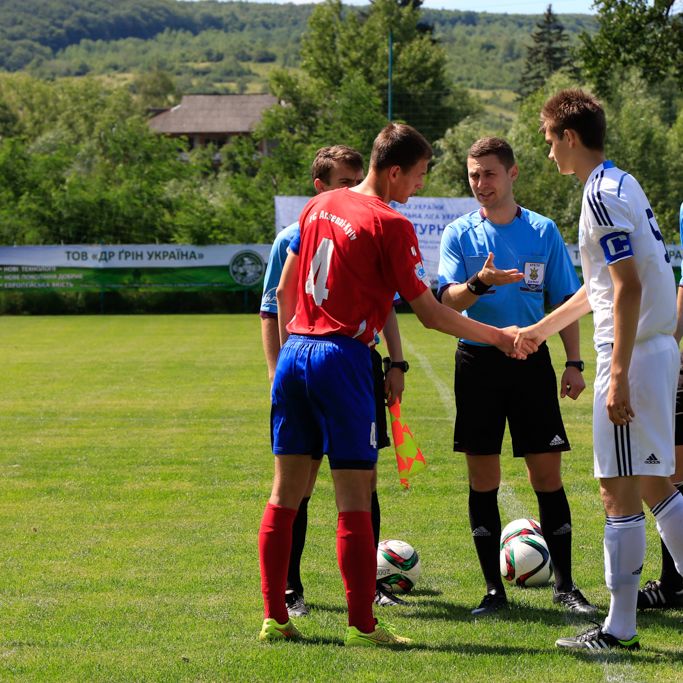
[(323, 401)]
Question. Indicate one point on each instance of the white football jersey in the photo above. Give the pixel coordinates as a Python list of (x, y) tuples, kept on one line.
[(617, 223)]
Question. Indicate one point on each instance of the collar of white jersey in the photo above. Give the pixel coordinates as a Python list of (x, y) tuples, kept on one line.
[(607, 163)]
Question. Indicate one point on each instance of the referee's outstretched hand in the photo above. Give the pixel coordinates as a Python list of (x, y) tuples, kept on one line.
[(490, 275)]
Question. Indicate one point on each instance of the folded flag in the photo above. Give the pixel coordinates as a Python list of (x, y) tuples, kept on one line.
[(409, 458)]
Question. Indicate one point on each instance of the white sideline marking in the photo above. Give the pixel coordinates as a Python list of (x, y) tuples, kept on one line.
[(620, 673), (511, 506)]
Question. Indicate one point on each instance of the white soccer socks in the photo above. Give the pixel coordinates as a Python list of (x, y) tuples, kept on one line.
[(624, 554), (669, 517)]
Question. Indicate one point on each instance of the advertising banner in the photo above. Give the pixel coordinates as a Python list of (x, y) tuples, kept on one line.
[(158, 267), (151, 267)]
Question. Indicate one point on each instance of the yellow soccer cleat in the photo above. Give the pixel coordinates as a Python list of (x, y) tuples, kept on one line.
[(272, 631), (382, 635)]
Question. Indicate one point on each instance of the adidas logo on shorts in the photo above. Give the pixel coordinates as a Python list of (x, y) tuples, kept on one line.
[(557, 441), (652, 460)]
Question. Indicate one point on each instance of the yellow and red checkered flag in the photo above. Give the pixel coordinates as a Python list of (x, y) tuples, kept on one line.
[(409, 457)]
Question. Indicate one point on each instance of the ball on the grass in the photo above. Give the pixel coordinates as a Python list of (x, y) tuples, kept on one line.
[(524, 526), (525, 560), (398, 565)]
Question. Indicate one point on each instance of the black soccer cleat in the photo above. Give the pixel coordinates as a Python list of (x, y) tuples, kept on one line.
[(655, 595), (385, 598), (296, 607), (491, 603), (574, 601), (595, 639)]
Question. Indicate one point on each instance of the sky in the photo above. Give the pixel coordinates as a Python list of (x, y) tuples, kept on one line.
[(494, 6)]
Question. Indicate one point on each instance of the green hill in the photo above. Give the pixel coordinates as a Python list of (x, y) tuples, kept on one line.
[(213, 46)]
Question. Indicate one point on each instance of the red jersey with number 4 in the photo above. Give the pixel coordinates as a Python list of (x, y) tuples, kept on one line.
[(355, 254)]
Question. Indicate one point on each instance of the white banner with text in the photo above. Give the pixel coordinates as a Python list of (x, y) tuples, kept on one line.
[(230, 267)]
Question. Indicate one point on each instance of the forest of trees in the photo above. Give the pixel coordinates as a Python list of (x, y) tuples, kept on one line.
[(228, 46), (78, 163)]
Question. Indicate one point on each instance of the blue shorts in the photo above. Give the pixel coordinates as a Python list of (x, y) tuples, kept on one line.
[(323, 401)]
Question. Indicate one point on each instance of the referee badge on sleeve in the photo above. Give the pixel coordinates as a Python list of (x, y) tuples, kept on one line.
[(533, 275)]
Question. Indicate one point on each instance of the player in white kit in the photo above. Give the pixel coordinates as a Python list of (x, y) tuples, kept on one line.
[(630, 287)]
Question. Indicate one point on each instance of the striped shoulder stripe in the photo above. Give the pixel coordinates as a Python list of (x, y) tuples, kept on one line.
[(622, 447), (599, 198), (621, 181), (595, 208)]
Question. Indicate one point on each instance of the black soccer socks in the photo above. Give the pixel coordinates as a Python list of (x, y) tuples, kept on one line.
[(485, 525)]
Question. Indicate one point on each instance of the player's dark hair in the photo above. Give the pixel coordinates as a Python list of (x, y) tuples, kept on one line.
[(326, 158), (399, 145), (492, 145), (576, 110)]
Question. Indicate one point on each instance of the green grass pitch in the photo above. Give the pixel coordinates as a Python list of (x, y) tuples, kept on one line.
[(134, 454)]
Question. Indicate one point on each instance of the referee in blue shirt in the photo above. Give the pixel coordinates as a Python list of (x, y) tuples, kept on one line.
[(499, 265)]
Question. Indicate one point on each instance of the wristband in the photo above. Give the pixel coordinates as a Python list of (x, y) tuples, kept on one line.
[(476, 286), (578, 364), (400, 364)]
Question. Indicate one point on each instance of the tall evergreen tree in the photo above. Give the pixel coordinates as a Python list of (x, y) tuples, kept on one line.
[(342, 41), (548, 53)]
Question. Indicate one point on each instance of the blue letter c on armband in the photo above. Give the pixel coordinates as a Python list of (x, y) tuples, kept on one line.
[(616, 245)]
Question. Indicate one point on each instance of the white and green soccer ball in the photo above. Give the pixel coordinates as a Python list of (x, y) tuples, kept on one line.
[(398, 565), (524, 554), (525, 526)]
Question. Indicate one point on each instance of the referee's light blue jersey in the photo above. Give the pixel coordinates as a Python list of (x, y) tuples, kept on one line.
[(531, 243), (276, 262)]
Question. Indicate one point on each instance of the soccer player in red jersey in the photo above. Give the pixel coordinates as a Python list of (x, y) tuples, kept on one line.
[(355, 252)]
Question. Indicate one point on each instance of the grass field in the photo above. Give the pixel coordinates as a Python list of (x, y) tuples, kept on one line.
[(135, 467)]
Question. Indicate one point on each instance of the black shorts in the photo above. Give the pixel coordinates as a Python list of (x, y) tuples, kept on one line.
[(380, 400), (491, 388), (679, 408)]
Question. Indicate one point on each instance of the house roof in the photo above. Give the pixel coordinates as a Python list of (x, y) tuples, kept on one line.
[(212, 114)]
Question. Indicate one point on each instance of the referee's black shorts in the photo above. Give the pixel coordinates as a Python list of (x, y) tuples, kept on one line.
[(491, 388), (380, 400)]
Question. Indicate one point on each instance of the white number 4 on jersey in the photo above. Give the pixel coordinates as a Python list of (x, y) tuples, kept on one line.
[(316, 282)]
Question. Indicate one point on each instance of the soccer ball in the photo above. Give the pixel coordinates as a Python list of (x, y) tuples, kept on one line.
[(525, 560), (520, 527), (398, 565)]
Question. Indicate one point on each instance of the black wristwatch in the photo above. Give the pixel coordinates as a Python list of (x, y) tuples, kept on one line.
[(578, 364), (400, 364)]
